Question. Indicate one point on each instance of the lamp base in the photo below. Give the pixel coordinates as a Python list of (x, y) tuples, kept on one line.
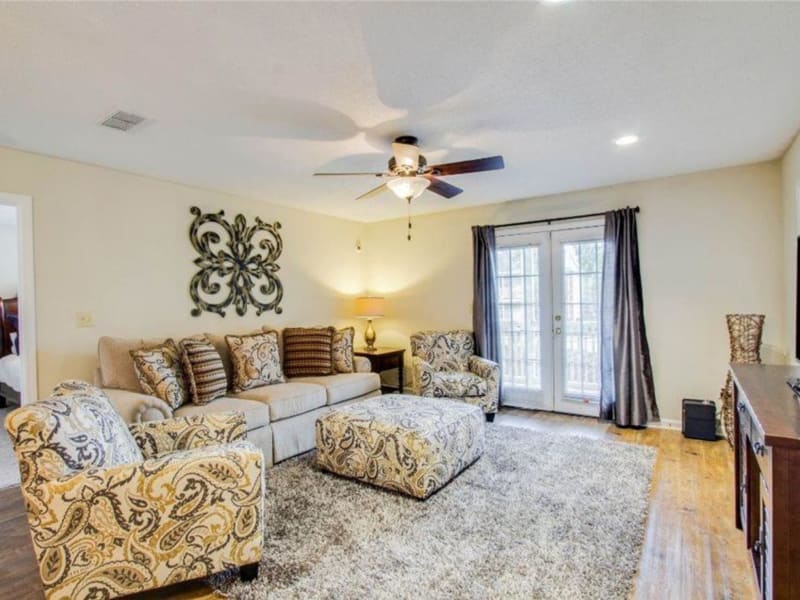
[(369, 336)]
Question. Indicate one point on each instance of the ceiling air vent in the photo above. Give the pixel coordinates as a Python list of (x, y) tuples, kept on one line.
[(122, 121)]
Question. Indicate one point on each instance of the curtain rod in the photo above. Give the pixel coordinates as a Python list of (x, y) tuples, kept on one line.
[(556, 219)]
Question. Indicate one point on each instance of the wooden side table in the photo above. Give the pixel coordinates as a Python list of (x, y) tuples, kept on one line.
[(383, 359)]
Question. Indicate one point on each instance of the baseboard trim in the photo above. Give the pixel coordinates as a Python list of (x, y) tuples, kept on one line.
[(666, 424)]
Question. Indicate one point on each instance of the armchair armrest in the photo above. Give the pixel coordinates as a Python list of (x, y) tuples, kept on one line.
[(156, 438), (361, 364), (485, 368), (422, 376), (144, 525), (135, 407)]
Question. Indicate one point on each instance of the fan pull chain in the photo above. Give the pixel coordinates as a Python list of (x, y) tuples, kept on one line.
[(409, 219)]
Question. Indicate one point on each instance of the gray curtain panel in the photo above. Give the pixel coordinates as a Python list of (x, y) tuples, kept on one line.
[(485, 322), (628, 395)]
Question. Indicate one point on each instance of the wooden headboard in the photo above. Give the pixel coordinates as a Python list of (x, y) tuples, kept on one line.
[(8, 324)]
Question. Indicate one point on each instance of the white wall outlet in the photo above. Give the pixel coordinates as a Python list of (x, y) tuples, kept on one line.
[(84, 319)]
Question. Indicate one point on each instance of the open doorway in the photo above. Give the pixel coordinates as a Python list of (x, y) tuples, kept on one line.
[(17, 303)]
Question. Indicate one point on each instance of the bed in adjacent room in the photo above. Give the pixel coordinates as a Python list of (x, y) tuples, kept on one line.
[(10, 363)]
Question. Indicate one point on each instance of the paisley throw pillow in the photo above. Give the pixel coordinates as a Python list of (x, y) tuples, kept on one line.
[(342, 350), (160, 373), (256, 360)]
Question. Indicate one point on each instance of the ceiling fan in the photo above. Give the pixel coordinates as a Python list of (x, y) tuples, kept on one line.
[(409, 174)]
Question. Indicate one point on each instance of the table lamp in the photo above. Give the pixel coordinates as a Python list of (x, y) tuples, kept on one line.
[(369, 307)]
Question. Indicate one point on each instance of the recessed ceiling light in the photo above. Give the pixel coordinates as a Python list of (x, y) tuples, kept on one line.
[(626, 140)]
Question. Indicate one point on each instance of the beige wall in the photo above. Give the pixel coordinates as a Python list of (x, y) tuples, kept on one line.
[(710, 244), (116, 245), (791, 224)]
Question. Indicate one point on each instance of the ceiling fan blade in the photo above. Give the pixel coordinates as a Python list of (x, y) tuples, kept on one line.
[(337, 174), (490, 163), (442, 188), (373, 192)]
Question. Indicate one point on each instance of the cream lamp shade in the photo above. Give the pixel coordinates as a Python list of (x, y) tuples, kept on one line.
[(369, 307)]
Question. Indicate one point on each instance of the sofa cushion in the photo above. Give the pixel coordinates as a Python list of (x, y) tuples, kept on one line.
[(287, 399), (256, 361), (345, 386), (160, 373), (255, 413), (204, 372), (116, 364), (458, 384), (307, 351), (342, 350)]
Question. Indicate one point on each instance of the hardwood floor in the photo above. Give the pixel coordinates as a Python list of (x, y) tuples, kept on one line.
[(691, 550)]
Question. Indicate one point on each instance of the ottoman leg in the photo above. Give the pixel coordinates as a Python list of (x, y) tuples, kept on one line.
[(248, 572), (490, 417)]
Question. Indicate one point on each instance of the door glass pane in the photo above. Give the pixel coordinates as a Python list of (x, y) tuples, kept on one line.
[(519, 310), (583, 265)]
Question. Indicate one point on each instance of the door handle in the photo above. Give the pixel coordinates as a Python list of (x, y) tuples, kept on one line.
[(558, 330)]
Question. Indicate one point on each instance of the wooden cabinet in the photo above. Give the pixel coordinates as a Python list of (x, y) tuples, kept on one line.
[(767, 454)]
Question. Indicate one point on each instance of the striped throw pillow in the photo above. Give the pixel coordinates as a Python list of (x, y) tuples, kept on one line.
[(307, 351), (205, 374)]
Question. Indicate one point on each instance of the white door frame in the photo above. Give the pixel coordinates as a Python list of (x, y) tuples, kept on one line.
[(548, 237), (26, 292)]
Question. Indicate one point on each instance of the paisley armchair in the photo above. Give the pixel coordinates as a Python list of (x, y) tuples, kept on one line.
[(114, 510), (444, 365)]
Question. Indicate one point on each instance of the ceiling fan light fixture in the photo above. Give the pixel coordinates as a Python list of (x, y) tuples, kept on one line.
[(406, 155), (408, 188)]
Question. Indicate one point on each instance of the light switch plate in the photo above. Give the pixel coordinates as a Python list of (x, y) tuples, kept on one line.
[(84, 319)]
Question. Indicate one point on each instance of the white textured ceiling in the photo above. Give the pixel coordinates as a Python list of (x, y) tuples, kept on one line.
[(253, 98)]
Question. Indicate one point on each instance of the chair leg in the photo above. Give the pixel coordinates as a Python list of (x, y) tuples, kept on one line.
[(490, 417), (248, 572)]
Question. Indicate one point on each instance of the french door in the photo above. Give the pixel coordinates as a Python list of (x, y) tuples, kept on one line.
[(549, 283)]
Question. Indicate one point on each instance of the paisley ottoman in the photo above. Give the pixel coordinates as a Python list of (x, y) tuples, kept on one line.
[(404, 443)]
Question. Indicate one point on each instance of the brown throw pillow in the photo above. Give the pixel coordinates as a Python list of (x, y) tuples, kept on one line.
[(342, 352), (307, 351), (256, 360), (204, 372), (160, 373)]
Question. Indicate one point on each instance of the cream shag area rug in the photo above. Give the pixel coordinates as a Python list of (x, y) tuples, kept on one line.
[(537, 516)]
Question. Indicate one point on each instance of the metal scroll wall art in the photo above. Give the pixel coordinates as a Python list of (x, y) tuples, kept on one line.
[(237, 264)]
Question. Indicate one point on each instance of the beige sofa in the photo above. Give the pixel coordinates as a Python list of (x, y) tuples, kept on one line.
[(280, 417)]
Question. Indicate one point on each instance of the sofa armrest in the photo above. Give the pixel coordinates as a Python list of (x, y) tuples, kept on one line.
[(134, 407), (422, 376), (361, 364), (157, 438), (484, 368), (147, 524)]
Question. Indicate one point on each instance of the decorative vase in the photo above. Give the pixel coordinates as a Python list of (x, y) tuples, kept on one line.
[(744, 334)]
